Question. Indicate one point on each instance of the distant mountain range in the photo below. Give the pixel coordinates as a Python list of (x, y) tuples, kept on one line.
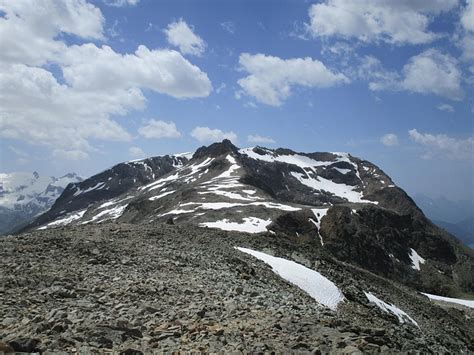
[(25, 195), (346, 207), (457, 217)]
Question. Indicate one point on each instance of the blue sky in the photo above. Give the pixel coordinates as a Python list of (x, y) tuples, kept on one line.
[(84, 85)]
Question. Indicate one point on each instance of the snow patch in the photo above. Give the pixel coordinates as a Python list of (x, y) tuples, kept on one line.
[(65, 220), (249, 225), (153, 198), (321, 289), (341, 190), (467, 303), (390, 308), (416, 260)]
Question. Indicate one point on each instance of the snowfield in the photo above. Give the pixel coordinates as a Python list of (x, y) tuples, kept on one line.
[(341, 190), (460, 301), (312, 282), (390, 308)]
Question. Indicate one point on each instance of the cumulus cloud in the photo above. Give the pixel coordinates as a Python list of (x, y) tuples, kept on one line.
[(271, 78), (397, 22), (258, 139), (29, 29), (446, 108), (159, 129), (430, 72), (136, 152), (180, 35), (88, 67), (67, 114), (206, 135), (35, 108), (443, 145), (389, 139)]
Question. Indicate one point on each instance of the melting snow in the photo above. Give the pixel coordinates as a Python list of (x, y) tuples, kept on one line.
[(111, 213), (466, 303), (219, 205), (390, 308), (299, 160), (319, 214), (343, 171), (341, 190), (160, 195), (249, 225), (416, 260), (98, 186), (65, 220), (312, 282)]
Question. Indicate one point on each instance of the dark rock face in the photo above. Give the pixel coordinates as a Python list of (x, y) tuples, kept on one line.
[(109, 184), (215, 150)]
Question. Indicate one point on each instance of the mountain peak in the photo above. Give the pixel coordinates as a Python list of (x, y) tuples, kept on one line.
[(216, 149)]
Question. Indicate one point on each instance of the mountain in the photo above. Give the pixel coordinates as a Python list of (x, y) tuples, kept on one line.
[(348, 208), (25, 195)]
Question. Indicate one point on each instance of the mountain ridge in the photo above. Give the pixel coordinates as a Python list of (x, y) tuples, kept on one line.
[(347, 206)]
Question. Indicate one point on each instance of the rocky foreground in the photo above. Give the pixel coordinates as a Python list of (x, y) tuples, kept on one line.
[(131, 288)]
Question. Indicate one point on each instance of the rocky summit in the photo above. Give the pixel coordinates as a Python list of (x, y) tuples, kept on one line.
[(235, 249)]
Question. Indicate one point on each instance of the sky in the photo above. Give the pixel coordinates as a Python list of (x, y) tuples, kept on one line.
[(88, 84)]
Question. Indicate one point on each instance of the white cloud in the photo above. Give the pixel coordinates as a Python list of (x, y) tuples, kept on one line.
[(70, 154), (67, 114), (89, 67), (430, 72), (467, 46), (206, 134), (398, 22), (136, 152), (121, 3), (35, 108), (180, 35), (443, 145), (29, 30), (228, 26), (446, 108), (389, 139), (159, 129), (271, 78), (467, 16), (255, 138)]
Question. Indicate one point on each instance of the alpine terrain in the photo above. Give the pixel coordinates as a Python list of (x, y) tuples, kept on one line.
[(23, 196), (234, 249)]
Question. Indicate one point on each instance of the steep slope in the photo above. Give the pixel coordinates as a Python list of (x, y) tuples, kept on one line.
[(348, 207), (25, 195), (106, 186)]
